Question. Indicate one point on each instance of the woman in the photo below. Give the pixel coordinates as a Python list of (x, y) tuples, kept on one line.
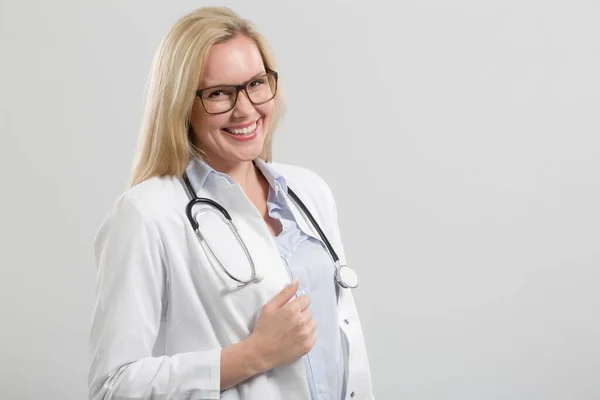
[(173, 320)]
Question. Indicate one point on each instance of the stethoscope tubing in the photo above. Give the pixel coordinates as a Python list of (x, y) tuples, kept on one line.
[(313, 221), (254, 278)]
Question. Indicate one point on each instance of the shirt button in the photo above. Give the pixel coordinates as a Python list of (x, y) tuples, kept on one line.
[(302, 293), (352, 395), (346, 321)]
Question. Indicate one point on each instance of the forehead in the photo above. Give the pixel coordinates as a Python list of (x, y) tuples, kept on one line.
[(232, 62)]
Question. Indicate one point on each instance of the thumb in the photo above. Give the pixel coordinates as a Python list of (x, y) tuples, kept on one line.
[(285, 295)]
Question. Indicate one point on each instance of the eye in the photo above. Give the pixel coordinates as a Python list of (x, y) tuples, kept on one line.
[(222, 93), (214, 94), (257, 82)]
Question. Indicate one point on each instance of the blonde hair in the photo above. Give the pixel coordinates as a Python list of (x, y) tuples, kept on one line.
[(164, 146)]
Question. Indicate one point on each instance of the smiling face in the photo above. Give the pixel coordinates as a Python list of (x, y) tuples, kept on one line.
[(238, 135)]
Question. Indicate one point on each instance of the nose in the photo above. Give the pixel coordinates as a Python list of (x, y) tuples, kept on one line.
[(243, 106)]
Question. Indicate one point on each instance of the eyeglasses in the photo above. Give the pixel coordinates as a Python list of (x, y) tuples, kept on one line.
[(221, 99)]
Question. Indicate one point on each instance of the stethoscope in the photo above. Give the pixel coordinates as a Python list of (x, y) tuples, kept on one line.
[(344, 275)]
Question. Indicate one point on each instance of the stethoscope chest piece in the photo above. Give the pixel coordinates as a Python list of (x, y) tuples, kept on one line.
[(346, 277)]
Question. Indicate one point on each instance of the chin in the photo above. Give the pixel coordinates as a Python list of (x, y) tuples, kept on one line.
[(249, 151), (248, 155)]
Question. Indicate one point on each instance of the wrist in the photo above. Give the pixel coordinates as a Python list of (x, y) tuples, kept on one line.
[(254, 359)]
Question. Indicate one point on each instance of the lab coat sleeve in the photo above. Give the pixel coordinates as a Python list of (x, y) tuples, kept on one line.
[(127, 315)]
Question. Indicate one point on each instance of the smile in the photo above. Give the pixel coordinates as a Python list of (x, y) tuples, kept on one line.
[(244, 133)]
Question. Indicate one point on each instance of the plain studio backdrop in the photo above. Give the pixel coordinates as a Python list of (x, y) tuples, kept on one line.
[(460, 139)]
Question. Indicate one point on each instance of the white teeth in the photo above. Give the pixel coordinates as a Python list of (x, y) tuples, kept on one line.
[(244, 131)]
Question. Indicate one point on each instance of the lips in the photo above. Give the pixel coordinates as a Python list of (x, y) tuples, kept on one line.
[(244, 132)]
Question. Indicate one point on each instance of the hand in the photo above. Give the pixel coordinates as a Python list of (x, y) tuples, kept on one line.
[(284, 331)]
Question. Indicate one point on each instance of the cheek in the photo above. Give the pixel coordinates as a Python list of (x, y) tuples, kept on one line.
[(197, 119), (267, 110), (204, 124)]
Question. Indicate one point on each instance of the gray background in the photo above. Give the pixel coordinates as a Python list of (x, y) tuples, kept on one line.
[(459, 137)]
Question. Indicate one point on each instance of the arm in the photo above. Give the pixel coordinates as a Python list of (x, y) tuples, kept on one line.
[(128, 308), (239, 362)]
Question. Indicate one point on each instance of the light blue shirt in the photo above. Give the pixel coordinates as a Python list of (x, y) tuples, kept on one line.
[(306, 259)]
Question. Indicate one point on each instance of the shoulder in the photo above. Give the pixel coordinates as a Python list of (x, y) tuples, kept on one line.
[(144, 204), (155, 195)]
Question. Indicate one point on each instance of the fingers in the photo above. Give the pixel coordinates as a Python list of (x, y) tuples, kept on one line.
[(306, 316), (284, 296), (311, 337), (300, 304), (312, 325)]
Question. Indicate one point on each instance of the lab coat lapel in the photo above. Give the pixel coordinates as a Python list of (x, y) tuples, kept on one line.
[(301, 218)]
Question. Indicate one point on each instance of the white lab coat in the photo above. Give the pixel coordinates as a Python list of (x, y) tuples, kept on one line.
[(163, 310)]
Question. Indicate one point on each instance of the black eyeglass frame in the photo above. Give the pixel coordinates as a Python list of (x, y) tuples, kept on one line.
[(238, 89)]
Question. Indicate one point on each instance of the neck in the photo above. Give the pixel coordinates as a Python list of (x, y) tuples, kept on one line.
[(251, 181)]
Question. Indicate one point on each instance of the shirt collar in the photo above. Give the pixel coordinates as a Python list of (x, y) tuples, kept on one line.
[(201, 174), (275, 179)]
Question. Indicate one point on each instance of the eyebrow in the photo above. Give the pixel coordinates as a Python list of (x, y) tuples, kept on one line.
[(233, 84)]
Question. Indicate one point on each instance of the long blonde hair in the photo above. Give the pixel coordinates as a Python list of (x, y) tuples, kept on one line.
[(164, 146)]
